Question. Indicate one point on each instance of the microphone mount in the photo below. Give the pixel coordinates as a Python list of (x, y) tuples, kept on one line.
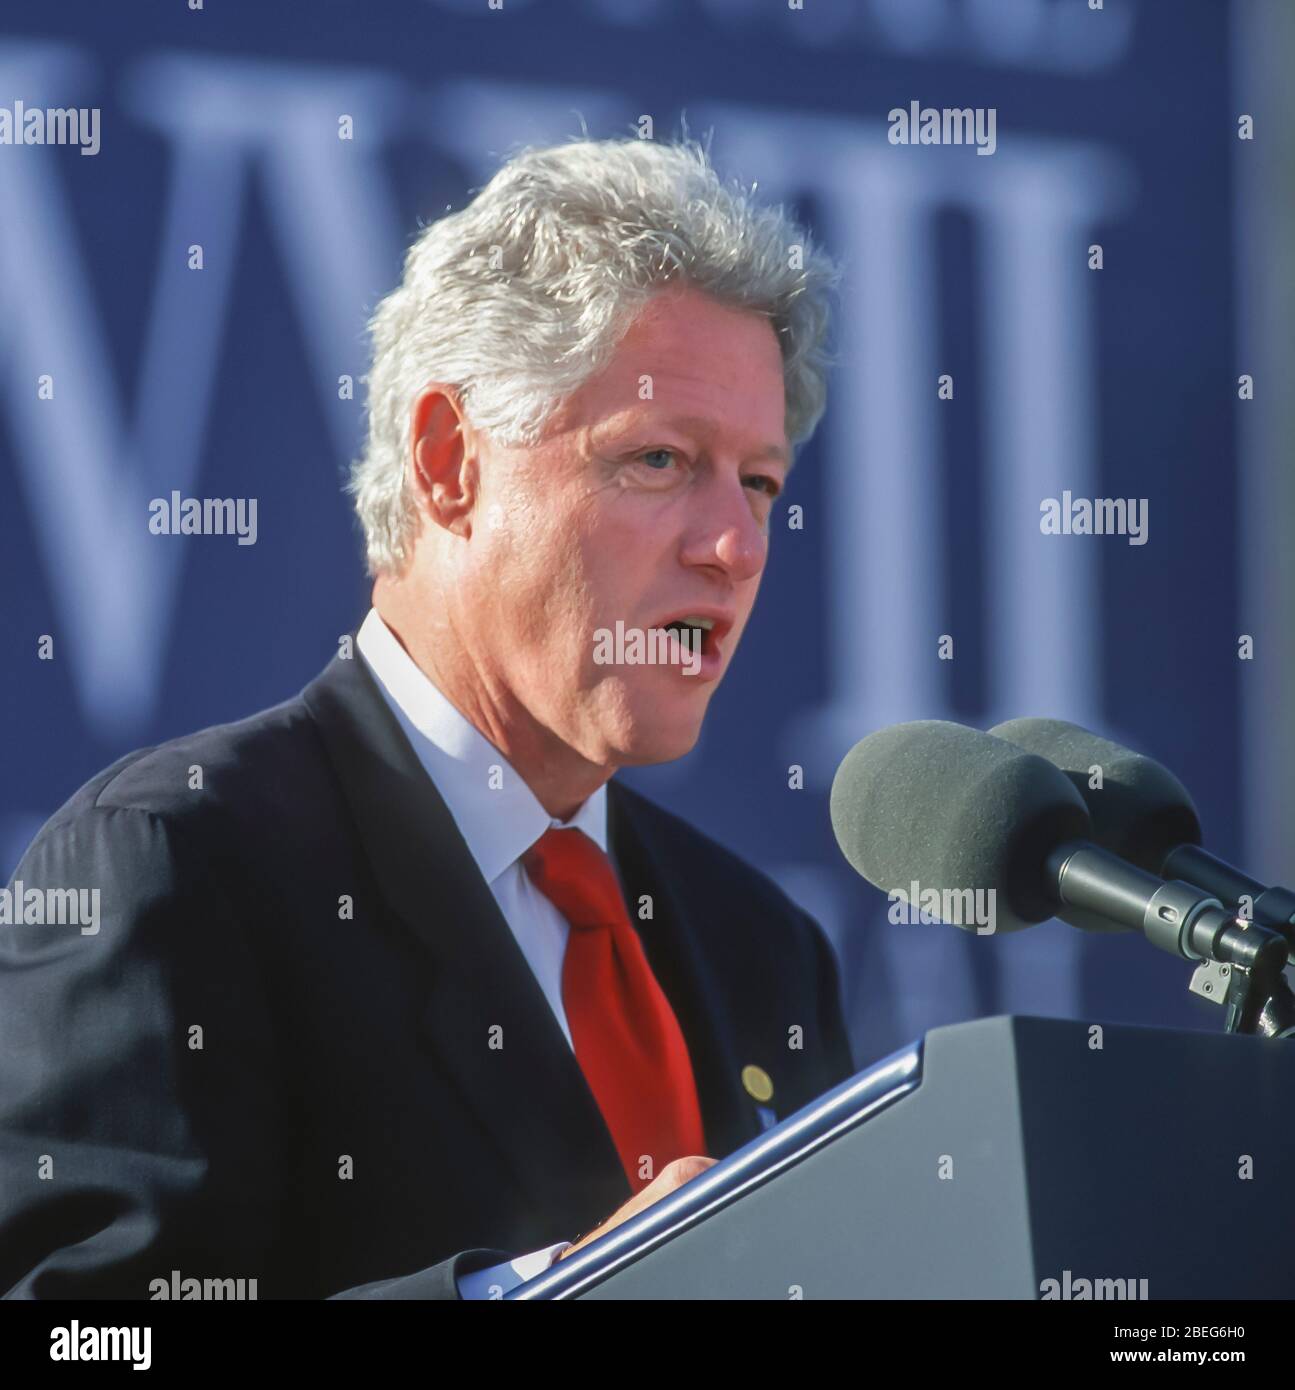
[(1239, 961)]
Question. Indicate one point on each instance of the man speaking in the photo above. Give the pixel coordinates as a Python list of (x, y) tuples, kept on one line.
[(395, 992)]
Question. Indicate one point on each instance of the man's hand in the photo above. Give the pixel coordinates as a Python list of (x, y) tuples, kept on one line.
[(670, 1178)]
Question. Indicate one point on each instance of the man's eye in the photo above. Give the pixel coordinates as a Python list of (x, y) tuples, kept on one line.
[(656, 454), (770, 485)]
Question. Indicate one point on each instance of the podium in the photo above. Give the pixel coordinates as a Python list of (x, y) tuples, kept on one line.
[(1006, 1158)]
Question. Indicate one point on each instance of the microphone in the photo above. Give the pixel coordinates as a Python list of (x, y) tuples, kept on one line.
[(1144, 814), (945, 809), (950, 809), (935, 807)]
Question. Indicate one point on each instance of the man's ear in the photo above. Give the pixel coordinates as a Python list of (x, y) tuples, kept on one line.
[(442, 463)]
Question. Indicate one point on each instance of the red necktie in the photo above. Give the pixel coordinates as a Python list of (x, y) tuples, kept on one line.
[(627, 1039)]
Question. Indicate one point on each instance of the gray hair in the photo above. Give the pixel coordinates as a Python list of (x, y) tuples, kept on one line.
[(523, 295)]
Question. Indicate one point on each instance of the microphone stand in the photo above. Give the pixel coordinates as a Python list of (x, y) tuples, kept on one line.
[(1255, 992), (1239, 962), (1251, 986)]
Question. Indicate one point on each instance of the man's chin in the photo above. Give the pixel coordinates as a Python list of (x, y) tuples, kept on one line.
[(657, 744)]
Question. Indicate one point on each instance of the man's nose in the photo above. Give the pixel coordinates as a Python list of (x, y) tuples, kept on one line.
[(727, 533)]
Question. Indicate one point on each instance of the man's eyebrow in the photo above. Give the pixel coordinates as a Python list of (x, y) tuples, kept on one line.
[(701, 426)]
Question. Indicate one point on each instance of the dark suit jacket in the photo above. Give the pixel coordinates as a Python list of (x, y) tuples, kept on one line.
[(236, 1079)]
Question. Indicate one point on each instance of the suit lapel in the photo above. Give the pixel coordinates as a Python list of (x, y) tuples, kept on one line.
[(526, 1089)]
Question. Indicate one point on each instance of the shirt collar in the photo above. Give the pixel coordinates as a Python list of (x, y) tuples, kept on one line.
[(497, 814)]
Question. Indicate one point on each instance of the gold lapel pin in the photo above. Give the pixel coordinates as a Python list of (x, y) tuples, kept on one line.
[(757, 1083)]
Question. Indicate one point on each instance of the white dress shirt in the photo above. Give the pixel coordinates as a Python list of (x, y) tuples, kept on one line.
[(499, 819)]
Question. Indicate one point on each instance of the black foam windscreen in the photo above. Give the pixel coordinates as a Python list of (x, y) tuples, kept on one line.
[(951, 809), (1140, 811)]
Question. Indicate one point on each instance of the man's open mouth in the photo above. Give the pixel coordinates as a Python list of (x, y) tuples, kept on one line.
[(699, 631), (694, 634)]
